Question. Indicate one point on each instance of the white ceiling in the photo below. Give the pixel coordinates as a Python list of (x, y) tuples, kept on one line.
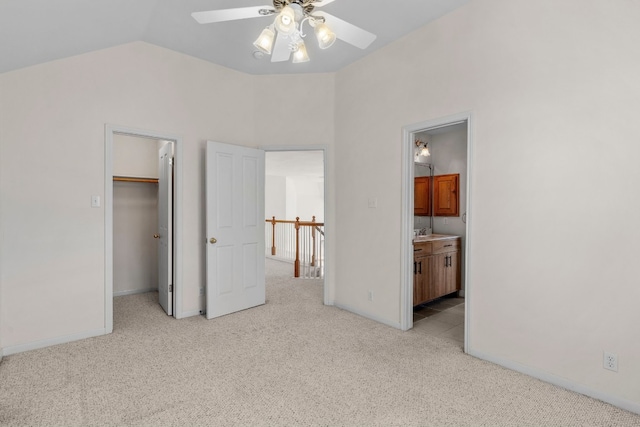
[(36, 31)]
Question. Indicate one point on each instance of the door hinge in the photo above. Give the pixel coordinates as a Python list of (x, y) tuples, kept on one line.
[(170, 288), (171, 161)]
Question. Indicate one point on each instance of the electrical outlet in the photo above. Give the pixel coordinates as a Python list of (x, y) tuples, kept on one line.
[(201, 291), (610, 361), (370, 295)]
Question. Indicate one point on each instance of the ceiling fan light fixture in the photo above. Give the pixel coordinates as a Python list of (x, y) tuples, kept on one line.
[(325, 36), (264, 43), (300, 55), (286, 21)]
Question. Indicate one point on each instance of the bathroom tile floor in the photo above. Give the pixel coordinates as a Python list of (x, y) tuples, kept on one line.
[(443, 318)]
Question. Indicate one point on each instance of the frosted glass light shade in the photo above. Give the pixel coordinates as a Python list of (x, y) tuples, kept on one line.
[(300, 55), (264, 42), (286, 21), (325, 36)]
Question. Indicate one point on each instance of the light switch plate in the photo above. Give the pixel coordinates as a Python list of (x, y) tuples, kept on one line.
[(95, 201), (373, 202)]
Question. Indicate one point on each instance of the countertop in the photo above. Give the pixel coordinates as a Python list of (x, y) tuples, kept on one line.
[(432, 237)]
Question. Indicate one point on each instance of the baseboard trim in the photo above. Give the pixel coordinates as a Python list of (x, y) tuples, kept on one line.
[(559, 381), (367, 315), (53, 341), (134, 292)]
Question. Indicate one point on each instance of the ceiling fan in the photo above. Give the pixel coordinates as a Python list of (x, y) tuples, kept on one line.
[(285, 36)]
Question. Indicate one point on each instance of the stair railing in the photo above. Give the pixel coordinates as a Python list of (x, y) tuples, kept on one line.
[(299, 241)]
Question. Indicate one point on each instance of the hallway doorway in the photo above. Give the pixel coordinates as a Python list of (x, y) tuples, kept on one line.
[(295, 210)]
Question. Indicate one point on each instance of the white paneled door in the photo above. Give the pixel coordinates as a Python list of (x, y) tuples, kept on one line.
[(235, 228), (165, 228)]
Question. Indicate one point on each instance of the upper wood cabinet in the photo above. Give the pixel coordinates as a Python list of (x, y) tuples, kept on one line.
[(446, 195), (421, 196)]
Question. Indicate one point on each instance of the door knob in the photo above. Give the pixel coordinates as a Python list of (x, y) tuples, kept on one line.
[(213, 240), (156, 236)]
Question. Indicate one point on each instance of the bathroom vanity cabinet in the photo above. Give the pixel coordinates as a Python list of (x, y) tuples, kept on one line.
[(436, 267)]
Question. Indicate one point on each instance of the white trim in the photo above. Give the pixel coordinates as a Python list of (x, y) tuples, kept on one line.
[(110, 130), (54, 341), (406, 250), (327, 225), (134, 292), (366, 315), (559, 381), (192, 313)]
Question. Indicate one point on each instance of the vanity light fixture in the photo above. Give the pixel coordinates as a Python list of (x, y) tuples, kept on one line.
[(422, 148)]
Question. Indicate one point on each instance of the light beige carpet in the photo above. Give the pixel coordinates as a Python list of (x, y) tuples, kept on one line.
[(290, 362)]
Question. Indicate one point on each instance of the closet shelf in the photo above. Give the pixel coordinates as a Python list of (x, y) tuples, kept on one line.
[(135, 179)]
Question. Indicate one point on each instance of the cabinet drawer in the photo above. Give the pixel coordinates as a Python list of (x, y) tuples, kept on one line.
[(422, 248), (443, 246)]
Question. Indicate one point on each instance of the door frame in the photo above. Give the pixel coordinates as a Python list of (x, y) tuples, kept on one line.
[(327, 226), (406, 251), (111, 130)]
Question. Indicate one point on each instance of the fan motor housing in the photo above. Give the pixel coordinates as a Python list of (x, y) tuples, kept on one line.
[(306, 5)]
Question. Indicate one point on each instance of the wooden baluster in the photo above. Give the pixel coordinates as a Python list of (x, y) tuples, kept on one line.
[(296, 264), (313, 241), (273, 236)]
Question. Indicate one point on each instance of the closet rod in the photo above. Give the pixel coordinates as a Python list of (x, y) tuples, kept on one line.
[(134, 179)]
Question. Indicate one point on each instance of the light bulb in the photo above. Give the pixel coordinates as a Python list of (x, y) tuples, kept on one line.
[(300, 55), (325, 36), (265, 41), (425, 151), (286, 21)]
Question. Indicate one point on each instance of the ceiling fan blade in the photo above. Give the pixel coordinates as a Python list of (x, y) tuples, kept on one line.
[(281, 51), (211, 16), (348, 32), (320, 3)]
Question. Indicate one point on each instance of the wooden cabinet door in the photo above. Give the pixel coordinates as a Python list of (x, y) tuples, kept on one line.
[(446, 195), (452, 273), (421, 196), (422, 280), (419, 291), (440, 269), (446, 273)]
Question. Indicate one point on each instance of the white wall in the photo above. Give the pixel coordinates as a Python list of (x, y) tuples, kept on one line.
[(52, 140), (553, 95), (134, 156), (135, 215), (275, 196)]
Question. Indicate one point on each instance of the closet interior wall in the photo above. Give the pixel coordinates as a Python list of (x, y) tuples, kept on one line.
[(135, 214)]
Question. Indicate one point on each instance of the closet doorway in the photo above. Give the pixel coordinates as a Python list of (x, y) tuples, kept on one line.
[(142, 211)]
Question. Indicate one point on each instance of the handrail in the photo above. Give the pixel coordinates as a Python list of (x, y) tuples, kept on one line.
[(302, 223)]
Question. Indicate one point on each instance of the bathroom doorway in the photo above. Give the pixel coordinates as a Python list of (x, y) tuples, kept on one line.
[(436, 198)]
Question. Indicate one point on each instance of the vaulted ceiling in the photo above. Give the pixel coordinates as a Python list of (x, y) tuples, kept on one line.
[(36, 31)]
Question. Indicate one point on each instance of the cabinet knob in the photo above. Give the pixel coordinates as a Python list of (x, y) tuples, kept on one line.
[(156, 236)]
